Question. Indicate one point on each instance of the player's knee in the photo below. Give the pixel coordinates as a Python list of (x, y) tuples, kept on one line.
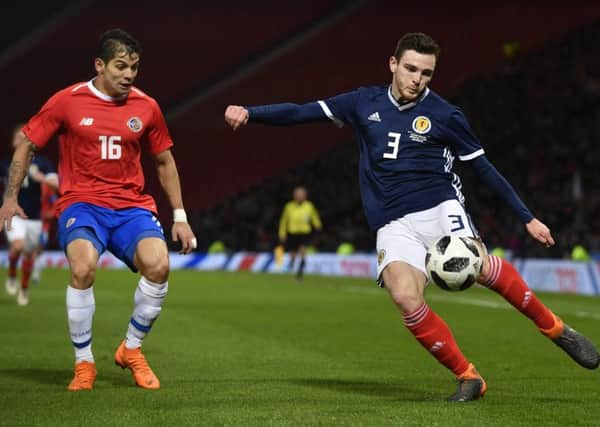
[(158, 271), (485, 269), (83, 274), (407, 300), (405, 293), (16, 247)]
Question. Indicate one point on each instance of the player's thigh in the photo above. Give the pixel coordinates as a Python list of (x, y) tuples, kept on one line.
[(405, 284), (134, 226), (33, 234), (396, 241), (83, 258)]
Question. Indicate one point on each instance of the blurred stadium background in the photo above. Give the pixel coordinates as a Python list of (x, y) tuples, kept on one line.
[(525, 74)]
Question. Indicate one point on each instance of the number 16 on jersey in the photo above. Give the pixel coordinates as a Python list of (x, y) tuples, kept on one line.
[(109, 147)]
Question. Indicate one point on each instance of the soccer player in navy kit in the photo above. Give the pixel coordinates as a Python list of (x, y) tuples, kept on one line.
[(408, 138), (26, 233)]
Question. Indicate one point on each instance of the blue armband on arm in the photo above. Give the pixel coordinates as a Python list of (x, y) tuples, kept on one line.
[(490, 175), (287, 114)]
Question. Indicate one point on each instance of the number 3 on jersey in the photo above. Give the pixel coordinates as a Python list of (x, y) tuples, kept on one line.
[(109, 147), (394, 145)]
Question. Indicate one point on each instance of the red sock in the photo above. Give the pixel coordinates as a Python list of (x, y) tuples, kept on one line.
[(26, 269), (435, 335), (504, 279), (13, 260)]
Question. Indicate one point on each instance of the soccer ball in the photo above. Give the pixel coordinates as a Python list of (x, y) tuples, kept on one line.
[(454, 262)]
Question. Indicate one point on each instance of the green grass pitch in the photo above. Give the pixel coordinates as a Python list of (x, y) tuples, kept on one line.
[(241, 349)]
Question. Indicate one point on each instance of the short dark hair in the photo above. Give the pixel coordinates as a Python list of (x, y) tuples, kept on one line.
[(114, 40), (419, 42)]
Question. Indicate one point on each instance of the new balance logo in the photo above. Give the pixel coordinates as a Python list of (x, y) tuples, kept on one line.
[(374, 117), (86, 121)]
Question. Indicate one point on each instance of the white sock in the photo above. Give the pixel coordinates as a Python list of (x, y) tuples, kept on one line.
[(80, 312), (148, 300), (37, 268)]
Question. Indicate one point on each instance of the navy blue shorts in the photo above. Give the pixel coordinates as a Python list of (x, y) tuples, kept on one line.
[(118, 230)]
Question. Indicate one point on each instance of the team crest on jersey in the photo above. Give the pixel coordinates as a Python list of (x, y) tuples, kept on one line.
[(380, 256), (135, 124), (421, 125), (70, 222)]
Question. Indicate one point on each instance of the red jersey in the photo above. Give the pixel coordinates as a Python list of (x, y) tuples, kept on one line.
[(100, 141)]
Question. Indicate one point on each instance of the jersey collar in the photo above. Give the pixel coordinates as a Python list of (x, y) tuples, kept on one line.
[(402, 107), (101, 95)]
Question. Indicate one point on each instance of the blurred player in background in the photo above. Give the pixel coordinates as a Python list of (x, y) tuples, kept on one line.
[(102, 126), (24, 236), (49, 198), (409, 137), (298, 220)]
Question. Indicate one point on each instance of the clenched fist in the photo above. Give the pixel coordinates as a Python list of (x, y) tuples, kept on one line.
[(236, 116)]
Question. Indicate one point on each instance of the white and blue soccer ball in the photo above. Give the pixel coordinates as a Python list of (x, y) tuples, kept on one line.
[(454, 262)]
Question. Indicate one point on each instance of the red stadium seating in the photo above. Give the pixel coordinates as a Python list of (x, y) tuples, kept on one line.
[(351, 53), (188, 45)]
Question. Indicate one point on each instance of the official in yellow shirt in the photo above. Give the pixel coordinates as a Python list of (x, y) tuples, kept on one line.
[(298, 220)]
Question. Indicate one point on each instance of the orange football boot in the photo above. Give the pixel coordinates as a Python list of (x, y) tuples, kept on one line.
[(136, 362), (85, 375)]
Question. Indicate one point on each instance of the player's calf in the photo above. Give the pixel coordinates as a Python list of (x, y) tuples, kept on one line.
[(502, 278)]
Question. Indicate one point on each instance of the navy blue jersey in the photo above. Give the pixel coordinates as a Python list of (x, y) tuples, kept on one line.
[(406, 150), (30, 195)]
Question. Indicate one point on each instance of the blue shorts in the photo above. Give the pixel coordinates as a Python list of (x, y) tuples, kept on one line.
[(118, 230)]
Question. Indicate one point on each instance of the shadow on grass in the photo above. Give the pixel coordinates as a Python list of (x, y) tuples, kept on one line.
[(369, 388), (62, 377), (40, 376)]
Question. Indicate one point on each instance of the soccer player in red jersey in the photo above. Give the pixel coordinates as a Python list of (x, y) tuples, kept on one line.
[(102, 126)]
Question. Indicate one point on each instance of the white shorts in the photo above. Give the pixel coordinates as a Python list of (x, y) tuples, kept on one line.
[(29, 230), (407, 239)]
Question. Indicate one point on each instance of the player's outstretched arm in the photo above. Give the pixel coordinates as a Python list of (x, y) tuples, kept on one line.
[(169, 180), (285, 114), (17, 171)]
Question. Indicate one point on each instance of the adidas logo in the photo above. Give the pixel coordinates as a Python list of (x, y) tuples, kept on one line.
[(86, 121), (375, 117), (437, 346)]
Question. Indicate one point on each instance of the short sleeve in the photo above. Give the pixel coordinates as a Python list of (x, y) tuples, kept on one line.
[(47, 122), (157, 136), (340, 108), (462, 139)]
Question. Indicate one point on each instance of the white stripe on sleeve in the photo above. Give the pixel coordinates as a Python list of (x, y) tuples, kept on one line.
[(473, 155), (329, 114)]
